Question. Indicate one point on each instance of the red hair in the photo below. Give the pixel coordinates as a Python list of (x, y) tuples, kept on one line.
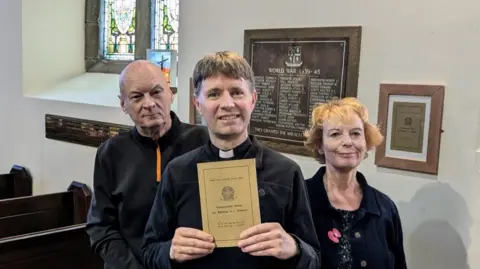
[(341, 110)]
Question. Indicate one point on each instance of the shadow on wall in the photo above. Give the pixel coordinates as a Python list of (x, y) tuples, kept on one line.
[(436, 225)]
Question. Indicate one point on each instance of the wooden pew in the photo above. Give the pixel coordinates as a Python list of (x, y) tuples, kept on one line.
[(17, 183), (30, 214), (61, 248), (47, 231)]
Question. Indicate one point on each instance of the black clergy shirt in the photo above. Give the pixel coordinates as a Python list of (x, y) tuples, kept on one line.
[(282, 197)]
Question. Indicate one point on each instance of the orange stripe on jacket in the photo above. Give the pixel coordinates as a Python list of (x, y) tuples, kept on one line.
[(159, 164)]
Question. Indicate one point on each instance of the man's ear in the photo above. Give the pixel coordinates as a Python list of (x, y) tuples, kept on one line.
[(122, 103), (254, 98), (173, 92)]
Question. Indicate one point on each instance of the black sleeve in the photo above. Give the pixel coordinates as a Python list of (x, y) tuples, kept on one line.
[(102, 221), (397, 239), (160, 227), (301, 226)]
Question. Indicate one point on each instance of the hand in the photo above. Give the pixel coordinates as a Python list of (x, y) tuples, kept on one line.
[(268, 239), (189, 244)]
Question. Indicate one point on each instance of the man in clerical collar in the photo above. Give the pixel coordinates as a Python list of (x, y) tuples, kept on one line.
[(225, 96)]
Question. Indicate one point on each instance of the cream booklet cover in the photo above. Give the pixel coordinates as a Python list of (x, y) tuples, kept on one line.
[(228, 198)]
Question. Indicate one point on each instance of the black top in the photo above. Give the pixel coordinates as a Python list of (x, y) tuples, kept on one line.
[(282, 197), (370, 237), (124, 189)]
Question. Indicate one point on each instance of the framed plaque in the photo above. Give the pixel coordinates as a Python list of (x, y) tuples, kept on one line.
[(295, 70), (411, 119)]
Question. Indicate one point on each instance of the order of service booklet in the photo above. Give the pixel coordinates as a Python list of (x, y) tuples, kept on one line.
[(229, 199)]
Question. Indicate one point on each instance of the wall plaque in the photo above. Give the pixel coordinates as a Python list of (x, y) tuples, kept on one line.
[(81, 131), (296, 69), (411, 116)]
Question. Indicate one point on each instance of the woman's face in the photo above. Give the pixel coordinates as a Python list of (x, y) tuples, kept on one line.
[(344, 144)]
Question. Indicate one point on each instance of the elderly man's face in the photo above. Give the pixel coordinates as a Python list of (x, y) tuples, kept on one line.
[(146, 97)]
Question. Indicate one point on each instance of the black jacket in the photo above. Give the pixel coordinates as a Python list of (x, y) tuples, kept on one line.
[(375, 234), (282, 196), (124, 189)]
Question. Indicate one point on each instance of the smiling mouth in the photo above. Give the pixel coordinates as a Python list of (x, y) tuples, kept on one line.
[(347, 154), (229, 117)]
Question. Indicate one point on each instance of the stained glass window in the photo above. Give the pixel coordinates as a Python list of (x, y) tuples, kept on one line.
[(119, 29), (165, 28)]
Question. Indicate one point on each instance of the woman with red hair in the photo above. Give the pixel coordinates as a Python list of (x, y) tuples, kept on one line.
[(357, 225)]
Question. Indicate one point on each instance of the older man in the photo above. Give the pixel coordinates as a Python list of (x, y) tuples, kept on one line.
[(174, 238), (128, 167)]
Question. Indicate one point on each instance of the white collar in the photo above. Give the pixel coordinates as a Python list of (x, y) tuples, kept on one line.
[(225, 154)]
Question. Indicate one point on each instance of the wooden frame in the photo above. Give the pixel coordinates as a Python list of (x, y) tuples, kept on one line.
[(94, 60), (194, 117), (274, 137), (411, 119)]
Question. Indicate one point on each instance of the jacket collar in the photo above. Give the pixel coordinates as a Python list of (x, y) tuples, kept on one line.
[(368, 204), (249, 149), (166, 140)]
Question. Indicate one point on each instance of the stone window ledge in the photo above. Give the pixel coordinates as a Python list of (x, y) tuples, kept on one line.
[(97, 89)]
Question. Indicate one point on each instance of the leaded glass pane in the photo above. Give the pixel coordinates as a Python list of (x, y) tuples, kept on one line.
[(165, 32), (119, 29)]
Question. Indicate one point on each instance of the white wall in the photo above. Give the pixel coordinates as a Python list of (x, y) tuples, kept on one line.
[(47, 60), (403, 41), (408, 41)]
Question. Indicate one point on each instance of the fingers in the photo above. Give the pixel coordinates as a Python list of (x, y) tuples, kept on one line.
[(194, 233), (180, 254), (255, 239), (188, 244), (273, 252), (191, 251), (263, 246), (192, 243), (259, 229)]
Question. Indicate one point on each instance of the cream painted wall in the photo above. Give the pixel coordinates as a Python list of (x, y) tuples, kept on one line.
[(408, 41), (426, 41), (51, 31)]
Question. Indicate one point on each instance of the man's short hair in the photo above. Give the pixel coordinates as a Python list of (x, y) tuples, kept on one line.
[(225, 63)]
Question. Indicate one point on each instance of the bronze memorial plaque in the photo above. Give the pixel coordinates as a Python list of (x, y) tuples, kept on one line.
[(296, 69)]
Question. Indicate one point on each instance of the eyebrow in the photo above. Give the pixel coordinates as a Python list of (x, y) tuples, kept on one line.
[(354, 129), (157, 87), (234, 88)]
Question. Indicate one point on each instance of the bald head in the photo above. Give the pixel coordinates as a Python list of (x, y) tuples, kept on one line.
[(138, 71), (146, 97)]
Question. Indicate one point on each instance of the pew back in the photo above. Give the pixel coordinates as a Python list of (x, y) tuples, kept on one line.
[(17, 183), (61, 248), (6, 186), (42, 212)]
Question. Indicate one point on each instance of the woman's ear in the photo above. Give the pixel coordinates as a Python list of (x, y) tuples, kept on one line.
[(320, 150)]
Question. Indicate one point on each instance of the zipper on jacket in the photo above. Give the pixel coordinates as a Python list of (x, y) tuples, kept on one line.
[(159, 163)]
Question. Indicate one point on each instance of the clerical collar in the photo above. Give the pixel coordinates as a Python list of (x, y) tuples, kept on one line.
[(239, 151), (226, 154)]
